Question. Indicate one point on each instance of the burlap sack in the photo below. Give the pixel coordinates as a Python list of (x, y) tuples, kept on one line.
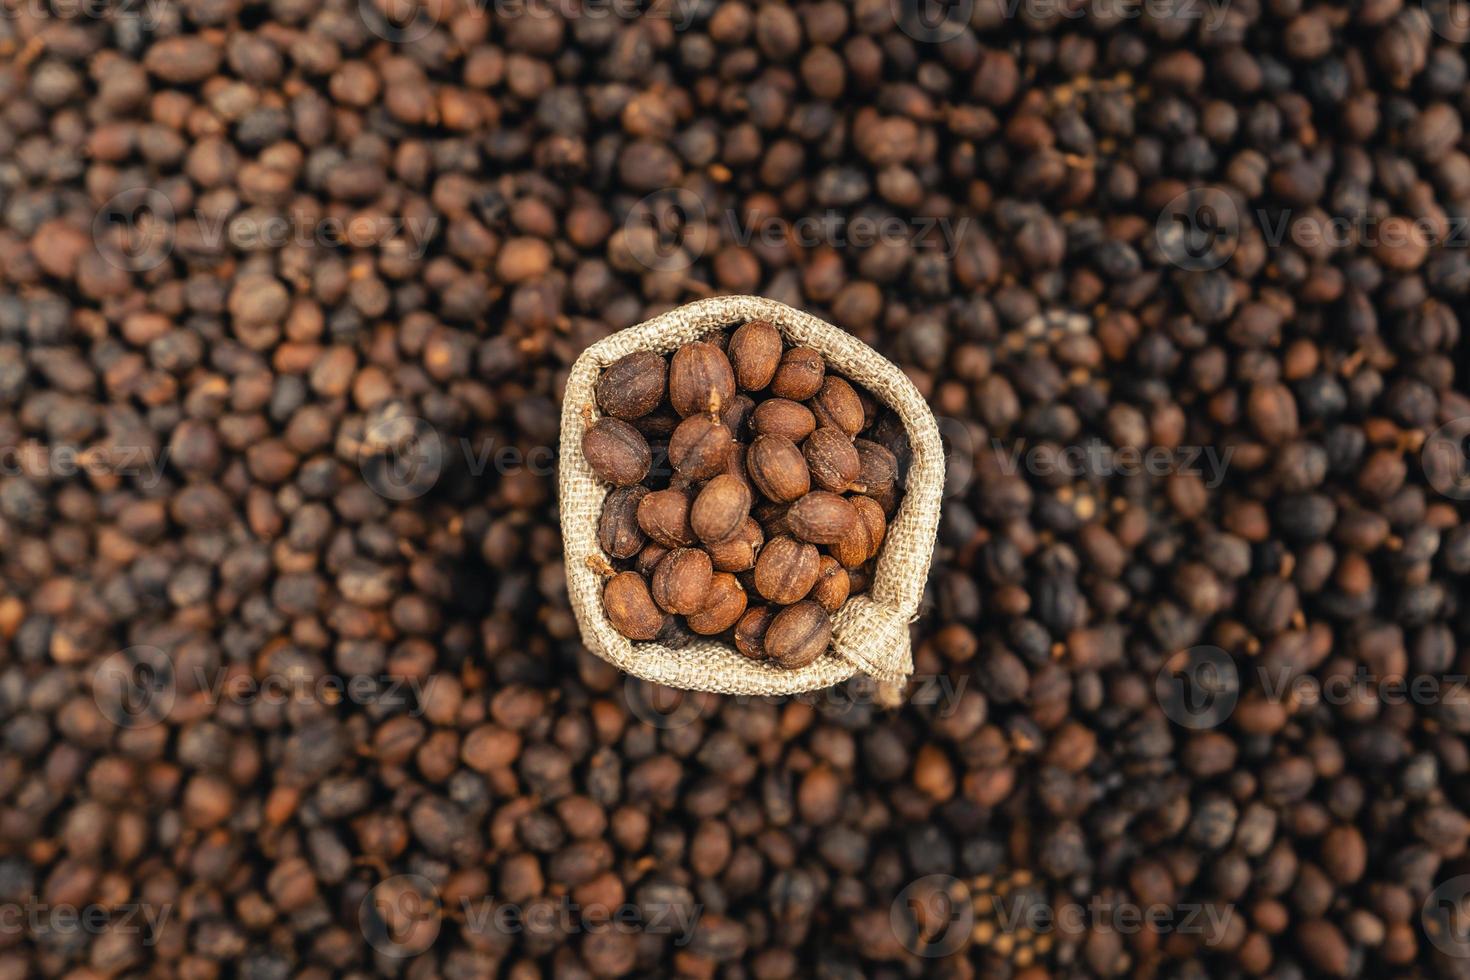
[(871, 631)]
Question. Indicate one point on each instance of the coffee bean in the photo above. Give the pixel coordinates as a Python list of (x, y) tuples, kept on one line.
[(723, 605), (681, 582), (833, 585), (630, 607), (786, 570), (755, 352), (821, 517), (700, 379), (798, 635), (632, 386), (783, 417), (836, 405), (617, 531), (664, 516), (699, 447), (616, 451), (799, 375), (832, 459), (750, 631), (777, 468), (737, 553), (721, 509)]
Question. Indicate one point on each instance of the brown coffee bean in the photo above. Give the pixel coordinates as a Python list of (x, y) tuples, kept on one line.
[(878, 467), (738, 552), (837, 405), (649, 557), (699, 447), (750, 631), (870, 514), (632, 386), (799, 375), (833, 584), (832, 459), (736, 415), (664, 516), (783, 417), (777, 468), (616, 451), (723, 606), (821, 517), (755, 352), (681, 581), (798, 635), (700, 379), (720, 509), (617, 531), (786, 570), (630, 608)]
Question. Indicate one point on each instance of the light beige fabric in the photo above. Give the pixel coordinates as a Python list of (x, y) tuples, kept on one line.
[(870, 632)]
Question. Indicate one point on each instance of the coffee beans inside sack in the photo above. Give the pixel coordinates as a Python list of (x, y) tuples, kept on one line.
[(752, 487)]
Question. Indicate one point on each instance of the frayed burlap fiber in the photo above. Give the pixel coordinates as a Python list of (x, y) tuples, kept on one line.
[(871, 631)]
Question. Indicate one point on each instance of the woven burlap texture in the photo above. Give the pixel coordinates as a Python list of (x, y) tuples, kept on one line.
[(870, 633)]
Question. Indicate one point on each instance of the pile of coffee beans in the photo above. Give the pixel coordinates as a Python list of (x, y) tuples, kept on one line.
[(770, 489), (289, 293)]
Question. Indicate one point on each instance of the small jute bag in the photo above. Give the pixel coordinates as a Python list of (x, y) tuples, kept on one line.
[(870, 633)]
